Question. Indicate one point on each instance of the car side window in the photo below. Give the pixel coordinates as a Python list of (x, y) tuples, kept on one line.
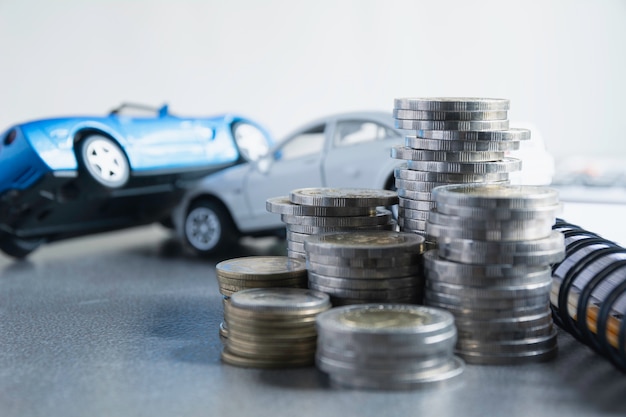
[(306, 143), (351, 132)]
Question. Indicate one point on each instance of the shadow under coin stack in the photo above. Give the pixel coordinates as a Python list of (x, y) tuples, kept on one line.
[(457, 141), (492, 269), (387, 346), (257, 272), (366, 266), (273, 327), (311, 211)]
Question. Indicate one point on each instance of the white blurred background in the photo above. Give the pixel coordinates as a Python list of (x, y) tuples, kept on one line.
[(285, 62)]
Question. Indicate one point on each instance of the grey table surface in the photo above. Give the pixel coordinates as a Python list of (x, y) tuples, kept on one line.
[(126, 324)]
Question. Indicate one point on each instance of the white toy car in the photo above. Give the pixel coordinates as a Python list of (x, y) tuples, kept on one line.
[(346, 150)]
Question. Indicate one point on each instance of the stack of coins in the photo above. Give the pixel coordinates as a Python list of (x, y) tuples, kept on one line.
[(273, 327), (492, 269), (457, 141), (258, 272), (311, 211), (366, 266), (387, 346)]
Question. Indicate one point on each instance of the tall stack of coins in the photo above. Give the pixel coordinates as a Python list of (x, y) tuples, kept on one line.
[(457, 141), (310, 211), (387, 346), (273, 327), (492, 269), (366, 266), (258, 272)]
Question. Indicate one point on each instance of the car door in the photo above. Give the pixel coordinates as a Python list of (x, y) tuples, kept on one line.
[(296, 163), (358, 155), (163, 143)]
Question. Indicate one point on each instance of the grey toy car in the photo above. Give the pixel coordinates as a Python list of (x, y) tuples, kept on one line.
[(344, 150)]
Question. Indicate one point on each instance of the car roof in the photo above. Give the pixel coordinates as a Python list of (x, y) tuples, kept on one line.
[(385, 118)]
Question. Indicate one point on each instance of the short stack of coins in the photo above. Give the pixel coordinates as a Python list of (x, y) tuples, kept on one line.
[(387, 346), (273, 327), (457, 141), (311, 211), (366, 266), (492, 269), (257, 272)]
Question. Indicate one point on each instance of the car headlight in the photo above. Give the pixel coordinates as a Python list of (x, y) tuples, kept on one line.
[(251, 141), (10, 137)]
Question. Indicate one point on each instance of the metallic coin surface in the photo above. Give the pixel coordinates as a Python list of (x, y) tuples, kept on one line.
[(380, 217), (462, 125), (404, 152), (494, 135), (343, 197), (452, 145), (261, 267), (279, 300), (365, 243), (449, 115), (402, 172), (451, 103), (282, 205), (492, 167)]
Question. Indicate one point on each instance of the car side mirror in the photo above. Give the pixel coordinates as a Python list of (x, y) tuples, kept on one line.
[(264, 163)]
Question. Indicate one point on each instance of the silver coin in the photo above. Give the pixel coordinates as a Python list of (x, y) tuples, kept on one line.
[(487, 313), (503, 323), (279, 299), (402, 172), (497, 195), (363, 273), (419, 186), (295, 254), (493, 303), (546, 213), (406, 153), (443, 233), (296, 237), (414, 195), (502, 359), (486, 293), (314, 230), (449, 115), (260, 268), (406, 213), (343, 197), (521, 258), (407, 203), (365, 244), (382, 361), (411, 224), (439, 269), (367, 262), (282, 205), (366, 284), (463, 125), (514, 134), (451, 103), (488, 224), (297, 246), (381, 217), (532, 344), (372, 295), (452, 145), (505, 165), (506, 334)]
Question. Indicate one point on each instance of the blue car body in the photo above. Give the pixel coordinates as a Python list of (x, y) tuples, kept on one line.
[(44, 190)]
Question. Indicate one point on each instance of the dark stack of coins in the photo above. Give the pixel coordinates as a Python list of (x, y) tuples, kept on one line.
[(387, 346), (311, 211), (273, 327), (366, 266), (258, 272), (457, 141), (492, 269)]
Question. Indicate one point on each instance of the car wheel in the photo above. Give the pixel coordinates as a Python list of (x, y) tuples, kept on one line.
[(17, 247), (104, 161), (209, 228)]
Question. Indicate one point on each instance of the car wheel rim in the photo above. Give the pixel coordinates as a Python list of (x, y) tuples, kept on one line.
[(106, 162), (203, 228)]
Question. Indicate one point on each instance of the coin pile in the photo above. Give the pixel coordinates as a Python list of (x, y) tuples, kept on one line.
[(310, 211), (273, 327), (366, 266), (258, 272), (387, 346), (492, 269), (457, 141)]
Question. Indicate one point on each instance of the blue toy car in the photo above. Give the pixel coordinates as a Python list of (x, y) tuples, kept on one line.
[(72, 176)]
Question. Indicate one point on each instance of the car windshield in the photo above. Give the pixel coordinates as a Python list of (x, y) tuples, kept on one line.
[(351, 132), (306, 143)]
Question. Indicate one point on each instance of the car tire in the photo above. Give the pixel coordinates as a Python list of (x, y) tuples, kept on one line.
[(17, 247), (104, 161), (208, 228)]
